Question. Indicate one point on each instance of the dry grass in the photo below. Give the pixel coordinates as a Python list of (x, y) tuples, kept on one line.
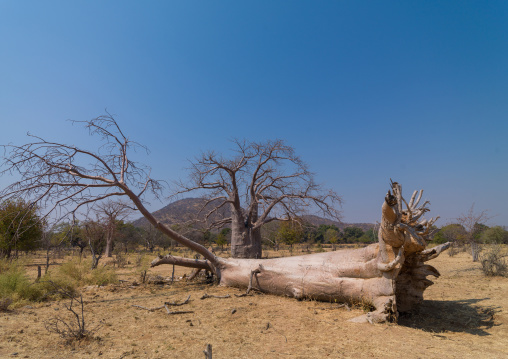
[(463, 316)]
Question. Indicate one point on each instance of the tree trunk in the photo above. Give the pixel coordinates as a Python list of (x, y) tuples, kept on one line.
[(245, 241), (475, 250), (108, 252), (390, 275)]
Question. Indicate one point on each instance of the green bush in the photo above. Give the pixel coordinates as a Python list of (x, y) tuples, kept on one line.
[(16, 289), (15, 286), (75, 273)]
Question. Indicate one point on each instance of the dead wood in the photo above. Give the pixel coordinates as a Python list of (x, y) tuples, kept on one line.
[(181, 312), (149, 309), (205, 296), (178, 304), (208, 351), (194, 273), (164, 307)]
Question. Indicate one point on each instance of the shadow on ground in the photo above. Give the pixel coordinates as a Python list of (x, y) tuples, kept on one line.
[(466, 316)]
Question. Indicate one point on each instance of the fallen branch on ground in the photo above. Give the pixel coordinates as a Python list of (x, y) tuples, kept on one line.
[(214, 296), (178, 304)]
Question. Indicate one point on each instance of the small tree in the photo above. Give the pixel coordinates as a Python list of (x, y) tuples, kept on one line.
[(113, 211), (95, 234), (454, 233), (471, 221), (54, 237), (269, 235), (128, 236), (222, 238), (369, 236), (20, 227), (290, 233), (352, 234), (332, 237)]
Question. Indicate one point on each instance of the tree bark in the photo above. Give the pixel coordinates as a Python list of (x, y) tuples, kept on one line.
[(108, 252), (245, 241)]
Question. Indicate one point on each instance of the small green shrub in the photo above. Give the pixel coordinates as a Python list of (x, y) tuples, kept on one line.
[(319, 248), (15, 287), (75, 273), (102, 276)]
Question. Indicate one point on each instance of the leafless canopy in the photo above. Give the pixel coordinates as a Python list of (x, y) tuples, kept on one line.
[(66, 178), (271, 181)]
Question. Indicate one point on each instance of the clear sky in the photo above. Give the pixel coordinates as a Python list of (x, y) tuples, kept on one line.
[(365, 91)]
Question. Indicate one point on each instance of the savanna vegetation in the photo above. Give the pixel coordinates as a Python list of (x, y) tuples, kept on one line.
[(95, 252)]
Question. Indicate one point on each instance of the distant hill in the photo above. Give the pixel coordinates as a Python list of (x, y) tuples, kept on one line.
[(183, 210), (187, 209)]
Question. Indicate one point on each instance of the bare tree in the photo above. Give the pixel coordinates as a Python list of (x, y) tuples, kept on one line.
[(113, 211), (261, 183), (64, 179), (390, 274), (95, 234), (471, 222)]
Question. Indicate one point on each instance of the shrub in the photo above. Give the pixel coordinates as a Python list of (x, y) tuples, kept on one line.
[(75, 273), (319, 248), (73, 326), (15, 287), (493, 261)]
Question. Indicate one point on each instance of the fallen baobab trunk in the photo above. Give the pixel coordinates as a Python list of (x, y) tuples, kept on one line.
[(389, 275)]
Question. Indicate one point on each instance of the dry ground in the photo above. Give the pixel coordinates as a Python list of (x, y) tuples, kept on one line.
[(464, 315)]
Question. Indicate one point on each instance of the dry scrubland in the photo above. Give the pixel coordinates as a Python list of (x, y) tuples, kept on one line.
[(464, 316)]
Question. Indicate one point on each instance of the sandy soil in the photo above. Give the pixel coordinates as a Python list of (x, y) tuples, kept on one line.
[(464, 316)]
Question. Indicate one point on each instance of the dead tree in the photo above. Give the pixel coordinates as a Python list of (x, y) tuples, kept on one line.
[(390, 275), (95, 234), (261, 183), (113, 211)]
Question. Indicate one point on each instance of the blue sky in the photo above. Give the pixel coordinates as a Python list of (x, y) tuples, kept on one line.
[(365, 91)]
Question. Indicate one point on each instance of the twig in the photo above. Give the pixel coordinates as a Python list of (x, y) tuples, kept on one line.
[(178, 304), (344, 305), (181, 312), (149, 309), (208, 351), (243, 295), (164, 307), (214, 296)]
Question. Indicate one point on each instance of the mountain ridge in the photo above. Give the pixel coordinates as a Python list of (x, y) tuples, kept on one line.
[(185, 210)]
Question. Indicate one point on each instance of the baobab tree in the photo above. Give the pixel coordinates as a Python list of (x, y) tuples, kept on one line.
[(391, 274), (260, 183)]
